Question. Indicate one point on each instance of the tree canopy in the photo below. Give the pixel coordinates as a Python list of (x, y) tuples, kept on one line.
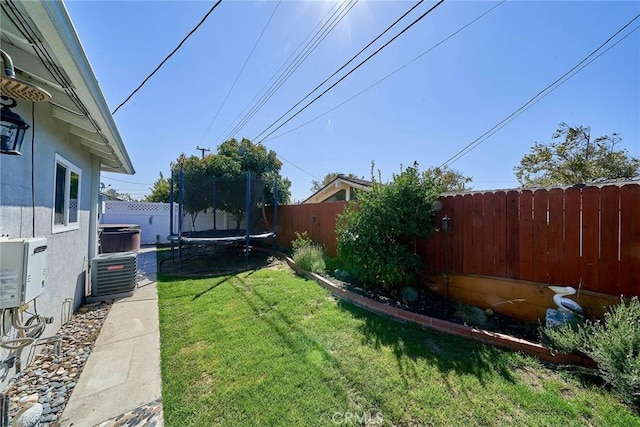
[(220, 175), (113, 194), (573, 157), (449, 180), (159, 192)]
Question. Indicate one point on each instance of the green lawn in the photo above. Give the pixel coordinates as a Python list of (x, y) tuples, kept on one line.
[(268, 348)]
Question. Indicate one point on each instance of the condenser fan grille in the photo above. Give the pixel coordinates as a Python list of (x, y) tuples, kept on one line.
[(113, 273)]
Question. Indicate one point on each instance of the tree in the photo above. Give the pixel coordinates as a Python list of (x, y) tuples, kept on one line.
[(159, 192), (113, 194), (317, 185), (257, 159), (196, 190), (572, 157), (376, 236), (217, 181), (450, 180)]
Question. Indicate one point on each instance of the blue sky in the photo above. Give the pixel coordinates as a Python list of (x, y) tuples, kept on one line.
[(426, 112)]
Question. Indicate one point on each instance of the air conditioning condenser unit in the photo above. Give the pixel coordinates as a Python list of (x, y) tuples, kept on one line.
[(113, 274)]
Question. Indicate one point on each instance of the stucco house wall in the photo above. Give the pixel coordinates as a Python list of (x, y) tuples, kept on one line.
[(67, 251), (74, 127)]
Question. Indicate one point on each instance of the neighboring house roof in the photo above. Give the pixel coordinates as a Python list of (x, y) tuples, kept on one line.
[(340, 183), (42, 42)]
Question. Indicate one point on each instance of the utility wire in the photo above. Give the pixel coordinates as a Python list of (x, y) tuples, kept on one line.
[(168, 56), (327, 26), (127, 182), (241, 70), (541, 94), (346, 63), (298, 167), (349, 73), (388, 75), (351, 60)]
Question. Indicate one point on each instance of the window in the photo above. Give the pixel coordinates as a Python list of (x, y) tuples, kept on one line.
[(66, 196)]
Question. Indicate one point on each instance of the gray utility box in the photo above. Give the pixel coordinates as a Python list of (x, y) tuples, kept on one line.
[(23, 266)]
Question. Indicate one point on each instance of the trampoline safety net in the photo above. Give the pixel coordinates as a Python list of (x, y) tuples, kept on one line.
[(224, 208)]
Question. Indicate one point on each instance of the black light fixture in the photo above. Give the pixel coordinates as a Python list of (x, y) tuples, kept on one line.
[(446, 223), (12, 128)]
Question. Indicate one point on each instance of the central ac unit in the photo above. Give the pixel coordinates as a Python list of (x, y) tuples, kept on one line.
[(113, 274)]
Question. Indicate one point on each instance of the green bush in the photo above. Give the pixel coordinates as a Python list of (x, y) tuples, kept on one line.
[(377, 236), (307, 254), (613, 343)]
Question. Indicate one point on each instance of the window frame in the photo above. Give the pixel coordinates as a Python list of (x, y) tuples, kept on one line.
[(70, 168)]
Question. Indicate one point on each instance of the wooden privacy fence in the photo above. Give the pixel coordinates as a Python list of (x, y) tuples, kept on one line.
[(317, 219), (586, 237)]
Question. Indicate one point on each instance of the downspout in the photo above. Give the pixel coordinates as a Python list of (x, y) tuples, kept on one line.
[(93, 216)]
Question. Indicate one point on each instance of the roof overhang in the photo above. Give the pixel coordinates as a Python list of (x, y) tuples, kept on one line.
[(334, 186), (44, 46)]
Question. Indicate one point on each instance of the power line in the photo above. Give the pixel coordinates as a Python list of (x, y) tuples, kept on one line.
[(298, 167), (351, 71), (541, 94), (168, 56), (326, 26), (388, 75), (317, 37), (127, 182), (224, 101), (347, 63)]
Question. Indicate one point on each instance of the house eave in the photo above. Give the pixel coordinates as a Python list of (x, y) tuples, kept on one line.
[(81, 104), (333, 187)]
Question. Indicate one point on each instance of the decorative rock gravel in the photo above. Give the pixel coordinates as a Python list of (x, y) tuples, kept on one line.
[(50, 378), (149, 415)]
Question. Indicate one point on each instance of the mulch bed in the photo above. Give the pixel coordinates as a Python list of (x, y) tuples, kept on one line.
[(428, 303)]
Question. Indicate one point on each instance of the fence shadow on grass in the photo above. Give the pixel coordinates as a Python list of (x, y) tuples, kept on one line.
[(411, 343)]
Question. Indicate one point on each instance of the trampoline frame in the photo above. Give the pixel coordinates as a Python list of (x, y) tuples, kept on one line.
[(246, 237)]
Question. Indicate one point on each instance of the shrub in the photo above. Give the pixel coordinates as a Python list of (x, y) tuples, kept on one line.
[(376, 236), (307, 254), (613, 343)]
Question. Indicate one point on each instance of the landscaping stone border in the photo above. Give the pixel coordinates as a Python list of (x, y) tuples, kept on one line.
[(480, 335)]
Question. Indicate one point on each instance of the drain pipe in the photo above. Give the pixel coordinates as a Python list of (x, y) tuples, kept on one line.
[(8, 65)]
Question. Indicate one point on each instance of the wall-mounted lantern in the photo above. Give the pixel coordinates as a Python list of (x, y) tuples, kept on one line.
[(12, 128), (446, 223)]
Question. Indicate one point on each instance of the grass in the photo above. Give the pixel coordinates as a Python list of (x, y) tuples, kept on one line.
[(266, 347)]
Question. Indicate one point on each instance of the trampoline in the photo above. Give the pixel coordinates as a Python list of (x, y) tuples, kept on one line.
[(242, 199), (221, 236)]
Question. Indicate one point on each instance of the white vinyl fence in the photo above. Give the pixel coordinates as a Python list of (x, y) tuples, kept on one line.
[(153, 219)]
